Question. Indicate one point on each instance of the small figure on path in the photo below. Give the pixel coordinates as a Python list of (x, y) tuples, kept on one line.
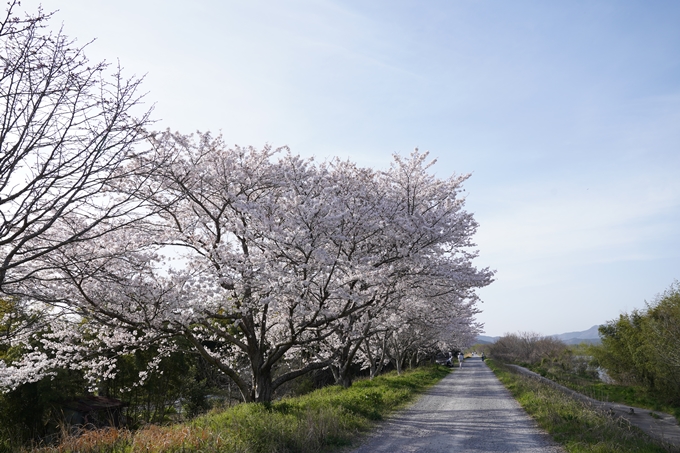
[(483, 357), (460, 359)]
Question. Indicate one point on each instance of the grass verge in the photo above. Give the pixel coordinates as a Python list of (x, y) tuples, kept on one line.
[(577, 426), (596, 389), (319, 421)]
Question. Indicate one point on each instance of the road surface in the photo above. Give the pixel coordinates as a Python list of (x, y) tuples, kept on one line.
[(468, 411)]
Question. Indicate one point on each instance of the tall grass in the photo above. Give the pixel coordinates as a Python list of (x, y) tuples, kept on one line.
[(577, 426), (319, 421)]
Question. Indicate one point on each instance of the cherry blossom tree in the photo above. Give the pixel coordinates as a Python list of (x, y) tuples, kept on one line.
[(426, 329), (272, 238), (68, 129), (266, 263), (431, 279), (420, 320)]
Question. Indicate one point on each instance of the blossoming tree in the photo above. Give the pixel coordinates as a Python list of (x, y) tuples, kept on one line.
[(280, 264), (68, 128), (268, 265)]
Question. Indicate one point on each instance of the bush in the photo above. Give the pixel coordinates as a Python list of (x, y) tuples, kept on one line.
[(526, 348), (642, 348)]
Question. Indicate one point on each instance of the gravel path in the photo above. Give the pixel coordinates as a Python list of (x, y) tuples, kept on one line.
[(468, 411)]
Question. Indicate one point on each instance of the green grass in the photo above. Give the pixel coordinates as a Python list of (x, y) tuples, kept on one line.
[(319, 421), (631, 396), (596, 389), (575, 425)]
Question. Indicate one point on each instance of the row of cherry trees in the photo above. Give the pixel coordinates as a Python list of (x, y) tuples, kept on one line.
[(269, 265)]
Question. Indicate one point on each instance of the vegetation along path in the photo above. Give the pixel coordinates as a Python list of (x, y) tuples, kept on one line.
[(468, 411), (660, 426)]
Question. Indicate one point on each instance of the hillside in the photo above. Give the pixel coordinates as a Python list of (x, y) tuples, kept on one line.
[(586, 336)]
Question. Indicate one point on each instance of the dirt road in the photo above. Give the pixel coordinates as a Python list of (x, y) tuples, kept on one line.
[(468, 411)]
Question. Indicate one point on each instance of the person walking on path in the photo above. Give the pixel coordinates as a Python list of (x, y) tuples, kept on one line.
[(460, 359), (464, 412)]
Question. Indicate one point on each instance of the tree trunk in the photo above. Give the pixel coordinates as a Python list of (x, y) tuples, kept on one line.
[(398, 362), (371, 360), (336, 373), (346, 380), (342, 375), (262, 389), (414, 361), (378, 363)]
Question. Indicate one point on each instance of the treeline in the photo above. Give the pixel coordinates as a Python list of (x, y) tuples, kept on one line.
[(642, 348)]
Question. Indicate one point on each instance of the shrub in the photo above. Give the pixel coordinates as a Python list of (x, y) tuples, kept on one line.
[(526, 348)]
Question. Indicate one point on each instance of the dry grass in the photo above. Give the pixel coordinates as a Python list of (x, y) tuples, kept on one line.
[(149, 439)]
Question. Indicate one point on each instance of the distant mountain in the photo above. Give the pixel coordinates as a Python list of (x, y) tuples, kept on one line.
[(590, 334), (587, 336), (483, 339)]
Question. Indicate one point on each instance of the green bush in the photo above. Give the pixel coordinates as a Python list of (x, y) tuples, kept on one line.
[(642, 348)]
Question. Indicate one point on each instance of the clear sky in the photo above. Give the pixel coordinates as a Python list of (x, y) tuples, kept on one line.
[(567, 114)]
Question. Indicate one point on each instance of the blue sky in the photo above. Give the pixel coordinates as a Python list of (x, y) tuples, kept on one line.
[(567, 114)]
